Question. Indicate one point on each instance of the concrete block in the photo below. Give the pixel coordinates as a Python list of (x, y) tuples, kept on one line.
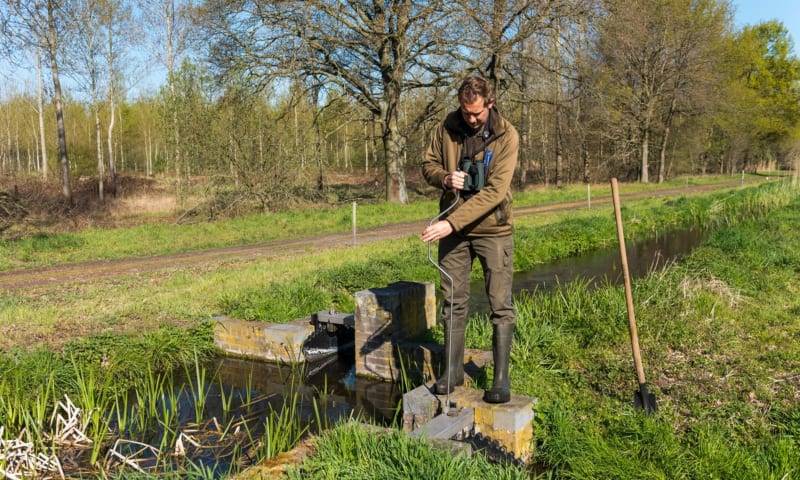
[(284, 343), (384, 318), (510, 424), (262, 340), (420, 401)]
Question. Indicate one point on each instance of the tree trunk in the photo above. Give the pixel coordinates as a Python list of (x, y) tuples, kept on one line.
[(112, 164), (100, 164), (393, 144), (585, 156), (559, 156), (645, 152), (662, 157), (40, 113), (66, 190)]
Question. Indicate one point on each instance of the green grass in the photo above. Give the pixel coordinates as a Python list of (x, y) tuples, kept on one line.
[(282, 289), (353, 452), (719, 348), (717, 334)]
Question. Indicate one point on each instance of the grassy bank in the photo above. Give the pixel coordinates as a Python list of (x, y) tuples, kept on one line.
[(697, 322), (719, 341), (159, 238), (280, 290)]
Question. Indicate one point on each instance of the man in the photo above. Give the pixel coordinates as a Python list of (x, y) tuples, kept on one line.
[(472, 157)]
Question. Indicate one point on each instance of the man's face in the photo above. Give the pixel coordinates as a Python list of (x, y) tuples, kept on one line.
[(476, 113)]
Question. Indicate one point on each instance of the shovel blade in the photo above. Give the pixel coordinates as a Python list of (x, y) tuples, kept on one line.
[(644, 400)]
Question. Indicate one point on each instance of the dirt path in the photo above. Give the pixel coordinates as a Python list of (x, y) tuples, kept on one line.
[(80, 272)]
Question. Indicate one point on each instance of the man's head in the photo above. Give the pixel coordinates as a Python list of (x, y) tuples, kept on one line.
[(475, 98)]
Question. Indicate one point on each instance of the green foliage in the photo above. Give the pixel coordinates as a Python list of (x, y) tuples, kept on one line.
[(569, 237), (762, 108), (278, 303), (357, 452)]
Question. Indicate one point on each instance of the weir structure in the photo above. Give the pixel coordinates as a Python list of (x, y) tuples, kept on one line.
[(383, 332)]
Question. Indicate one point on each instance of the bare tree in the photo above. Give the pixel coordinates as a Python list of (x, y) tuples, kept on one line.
[(41, 24), (40, 113), (168, 26), (87, 58), (526, 45), (116, 20), (697, 30), (656, 55), (375, 52)]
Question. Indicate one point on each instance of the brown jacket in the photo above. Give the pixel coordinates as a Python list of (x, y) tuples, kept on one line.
[(487, 212)]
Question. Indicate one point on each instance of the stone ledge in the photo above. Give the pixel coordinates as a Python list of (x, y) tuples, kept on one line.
[(282, 343)]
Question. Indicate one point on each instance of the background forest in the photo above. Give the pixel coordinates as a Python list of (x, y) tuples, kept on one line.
[(265, 102)]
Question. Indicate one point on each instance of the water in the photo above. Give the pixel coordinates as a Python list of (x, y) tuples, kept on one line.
[(240, 399), (600, 266), (330, 381)]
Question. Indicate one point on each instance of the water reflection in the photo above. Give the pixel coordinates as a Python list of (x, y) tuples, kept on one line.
[(600, 266), (329, 382)]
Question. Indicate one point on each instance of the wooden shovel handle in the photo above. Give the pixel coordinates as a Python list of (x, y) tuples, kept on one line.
[(637, 357)]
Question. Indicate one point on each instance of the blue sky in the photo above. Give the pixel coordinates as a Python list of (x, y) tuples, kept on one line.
[(751, 12), (746, 12)]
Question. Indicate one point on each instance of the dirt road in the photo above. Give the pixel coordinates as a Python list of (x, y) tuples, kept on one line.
[(79, 272)]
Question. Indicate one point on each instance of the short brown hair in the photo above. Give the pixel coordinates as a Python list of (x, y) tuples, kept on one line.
[(474, 87)]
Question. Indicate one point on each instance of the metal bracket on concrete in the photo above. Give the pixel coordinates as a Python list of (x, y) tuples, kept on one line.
[(445, 427), (333, 318)]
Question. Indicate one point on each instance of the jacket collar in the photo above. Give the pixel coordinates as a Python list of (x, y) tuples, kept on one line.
[(455, 123)]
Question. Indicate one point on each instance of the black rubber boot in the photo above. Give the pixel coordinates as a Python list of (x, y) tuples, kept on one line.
[(453, 375), (502, 335)]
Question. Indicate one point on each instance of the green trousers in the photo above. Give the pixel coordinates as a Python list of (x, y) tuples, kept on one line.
[(496, 255)]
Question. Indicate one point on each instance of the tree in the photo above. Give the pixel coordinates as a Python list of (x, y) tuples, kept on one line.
[(653, 56), (374, 52), (40, 24), (87, 59), (770, 73), (168, 26), (116, 21)]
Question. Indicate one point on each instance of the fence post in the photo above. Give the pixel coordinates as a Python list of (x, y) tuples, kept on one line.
[(589, 195), (354, 224)]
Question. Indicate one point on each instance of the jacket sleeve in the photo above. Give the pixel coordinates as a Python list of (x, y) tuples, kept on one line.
[(498, 183), (433, 164)]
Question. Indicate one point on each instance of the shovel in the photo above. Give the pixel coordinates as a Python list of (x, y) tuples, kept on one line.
[(642, 399)]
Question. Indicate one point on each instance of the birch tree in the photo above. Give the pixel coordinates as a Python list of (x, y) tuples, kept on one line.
[(167, 26), (41, 24)]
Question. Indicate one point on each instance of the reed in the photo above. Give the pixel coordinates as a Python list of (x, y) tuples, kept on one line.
[(198, 388), (96, 401), (169, 410), (226, 395)]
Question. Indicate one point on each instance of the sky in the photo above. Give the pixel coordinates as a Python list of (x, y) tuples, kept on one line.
[(751, 12), (746, 12)]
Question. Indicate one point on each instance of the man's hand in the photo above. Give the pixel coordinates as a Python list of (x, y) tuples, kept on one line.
[(437, 231), (455, 180)]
